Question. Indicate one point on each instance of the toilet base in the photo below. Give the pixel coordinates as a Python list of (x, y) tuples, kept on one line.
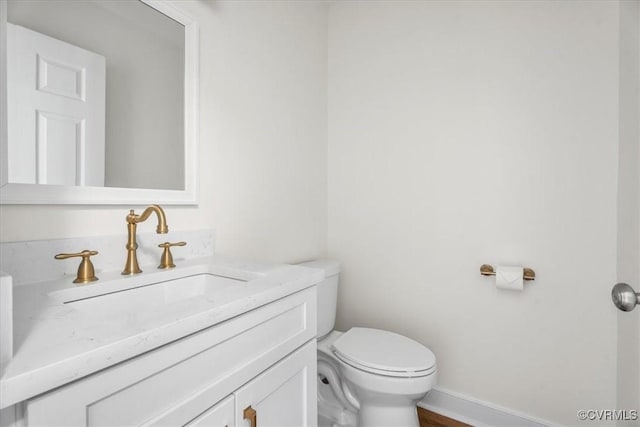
[(386, 401), (331, 413), (385, 416)]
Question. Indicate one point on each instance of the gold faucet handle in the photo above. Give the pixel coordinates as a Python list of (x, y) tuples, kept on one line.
[(86, 272), (166, 260)]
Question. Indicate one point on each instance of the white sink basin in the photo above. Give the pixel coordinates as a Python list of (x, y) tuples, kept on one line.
[(159, 294)]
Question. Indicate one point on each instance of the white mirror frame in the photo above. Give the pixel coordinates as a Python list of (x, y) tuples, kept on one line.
[(33, 194)]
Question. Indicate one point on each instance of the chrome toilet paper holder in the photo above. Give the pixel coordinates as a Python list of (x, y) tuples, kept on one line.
[(488, 270)]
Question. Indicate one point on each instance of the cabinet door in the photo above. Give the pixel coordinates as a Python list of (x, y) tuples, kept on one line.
[(283, 395)]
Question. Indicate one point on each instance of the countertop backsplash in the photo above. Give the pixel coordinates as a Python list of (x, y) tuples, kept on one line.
[(33, 261)]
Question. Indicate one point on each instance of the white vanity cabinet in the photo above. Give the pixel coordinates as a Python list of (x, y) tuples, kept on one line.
[(264, 359)]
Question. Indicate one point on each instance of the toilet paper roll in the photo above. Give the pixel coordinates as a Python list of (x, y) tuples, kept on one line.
[(509, 277)]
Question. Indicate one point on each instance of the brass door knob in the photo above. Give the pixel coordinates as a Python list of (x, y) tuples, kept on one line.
[(166, 260), (86, 272)]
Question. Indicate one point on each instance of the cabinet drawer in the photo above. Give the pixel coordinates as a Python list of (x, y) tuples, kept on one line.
[(190, 374)]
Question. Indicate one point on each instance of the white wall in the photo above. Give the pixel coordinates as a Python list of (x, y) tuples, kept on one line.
[(262, 154), (463, 133)]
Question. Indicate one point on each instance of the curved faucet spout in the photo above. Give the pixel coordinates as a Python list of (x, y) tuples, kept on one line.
[(131, 265), (162, 219)]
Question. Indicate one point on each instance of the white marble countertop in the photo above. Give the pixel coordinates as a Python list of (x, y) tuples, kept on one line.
[(55, 343)]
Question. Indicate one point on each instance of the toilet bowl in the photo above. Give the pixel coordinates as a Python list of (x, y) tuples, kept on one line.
[(366, 377)]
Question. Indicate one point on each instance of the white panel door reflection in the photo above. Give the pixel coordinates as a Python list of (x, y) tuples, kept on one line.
[(56, 109)]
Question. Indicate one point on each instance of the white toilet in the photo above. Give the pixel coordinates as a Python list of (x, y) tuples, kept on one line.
[(366, 377)]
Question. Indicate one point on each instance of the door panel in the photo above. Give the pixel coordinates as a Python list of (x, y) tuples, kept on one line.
[(628, 349), (61, 79), (59, 147), (56, 109)]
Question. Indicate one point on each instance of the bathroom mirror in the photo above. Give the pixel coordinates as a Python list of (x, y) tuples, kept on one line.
[(99, 102)]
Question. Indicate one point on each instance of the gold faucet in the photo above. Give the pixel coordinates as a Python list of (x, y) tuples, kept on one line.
[(131, 266)]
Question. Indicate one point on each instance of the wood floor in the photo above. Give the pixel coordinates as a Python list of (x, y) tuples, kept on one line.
[(431, 419)]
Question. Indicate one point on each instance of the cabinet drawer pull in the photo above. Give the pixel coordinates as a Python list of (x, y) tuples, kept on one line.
[(251, 415)]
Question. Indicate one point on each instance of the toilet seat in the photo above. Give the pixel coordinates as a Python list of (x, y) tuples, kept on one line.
[(384, 353)]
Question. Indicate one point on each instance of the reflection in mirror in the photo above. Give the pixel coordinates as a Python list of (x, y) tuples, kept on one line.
[(95, 94)]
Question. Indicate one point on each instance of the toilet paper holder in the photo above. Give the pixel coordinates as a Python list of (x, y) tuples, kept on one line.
[(488, 270)]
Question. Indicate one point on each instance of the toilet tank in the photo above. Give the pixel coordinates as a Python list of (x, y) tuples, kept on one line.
[(327, 294)]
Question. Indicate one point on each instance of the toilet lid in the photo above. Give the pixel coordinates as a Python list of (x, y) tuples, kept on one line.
[(384, 353)]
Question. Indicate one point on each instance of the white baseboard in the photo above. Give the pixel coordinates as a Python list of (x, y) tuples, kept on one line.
[(475, 412)]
